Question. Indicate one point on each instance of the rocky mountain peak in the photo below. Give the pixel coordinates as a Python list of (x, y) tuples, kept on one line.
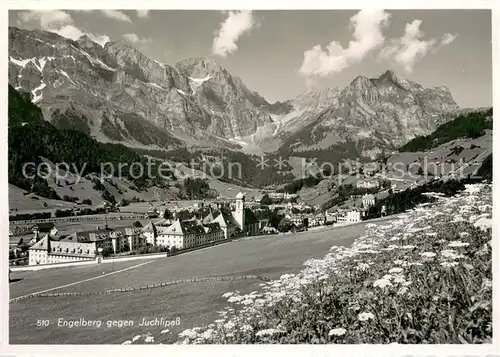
[(202, 67), (85, 41), (398, 80), (122, 46)]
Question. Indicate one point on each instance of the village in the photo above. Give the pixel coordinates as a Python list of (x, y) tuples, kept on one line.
[(173, 228)]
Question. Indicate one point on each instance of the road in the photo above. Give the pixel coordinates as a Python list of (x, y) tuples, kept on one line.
[(193, 303)]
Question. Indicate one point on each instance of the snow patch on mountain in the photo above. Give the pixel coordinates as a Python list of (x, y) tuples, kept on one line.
[(181, 92), (238, 140), (198, 82), (94, 60), (365, 133), (20, 62), (282, 120), (65, 74), (38, 97)]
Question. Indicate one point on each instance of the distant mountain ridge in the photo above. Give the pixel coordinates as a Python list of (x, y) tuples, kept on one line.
[(117, 94), (374, 114)]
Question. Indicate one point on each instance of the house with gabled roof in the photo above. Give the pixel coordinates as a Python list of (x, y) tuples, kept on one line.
[(190, 233), (251, 223), (69, 249), (150, 233)]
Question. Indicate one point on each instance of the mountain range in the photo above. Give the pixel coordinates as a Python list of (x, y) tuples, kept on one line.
[(115, 93)]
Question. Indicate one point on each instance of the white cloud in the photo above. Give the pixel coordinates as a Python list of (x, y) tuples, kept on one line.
[(74, 33), (134, 38), (143, 13), (117, 15), (447, 39), (59, 22), (46, 18), (235, 25), (411, 47), (367, 26)]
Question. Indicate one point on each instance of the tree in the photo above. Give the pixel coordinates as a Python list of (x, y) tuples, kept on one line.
[(87, 201), (266, 200), (107, 251), (285, 225), (137, 224), (167, 214)]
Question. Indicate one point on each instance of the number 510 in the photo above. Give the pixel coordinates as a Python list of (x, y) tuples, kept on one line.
[(42, 323)]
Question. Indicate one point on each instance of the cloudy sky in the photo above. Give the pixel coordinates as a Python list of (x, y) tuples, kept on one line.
[(283, 53)]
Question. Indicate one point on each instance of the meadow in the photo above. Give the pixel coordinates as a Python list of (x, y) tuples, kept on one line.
[(425, 278)]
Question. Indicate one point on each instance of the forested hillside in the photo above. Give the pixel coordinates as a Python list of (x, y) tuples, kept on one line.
[(470, 125), (30, 138)]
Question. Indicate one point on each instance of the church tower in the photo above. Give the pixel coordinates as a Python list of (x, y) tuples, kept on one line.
[(239, 213)]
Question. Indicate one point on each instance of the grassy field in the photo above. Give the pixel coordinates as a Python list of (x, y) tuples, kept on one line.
[(423, 279), (194, 303)]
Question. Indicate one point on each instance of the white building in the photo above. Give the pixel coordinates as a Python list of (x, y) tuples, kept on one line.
[(349, 217), (244, 217), (367, 184), (70, 249), (127, 240), (368, 200), (150, 233), (190, 233)]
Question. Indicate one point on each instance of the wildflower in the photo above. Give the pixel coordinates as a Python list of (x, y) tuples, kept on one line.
[(190, 334), (235, 299), (486, 283), (428, 254), (451, 254), (408, 247), (165, 331), (268, 332), (395, 270), (229, 325), (127, 342), (362, 266), (227, 295), (431, 234), (339, 331), (364, 316), (136, 338), (448, 253), (399, 279), (403, 291), (449, 264), (463, 234), (207, 334), (457, 243), (382, 283), (483, 223), (149, 339), (246, 327)]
